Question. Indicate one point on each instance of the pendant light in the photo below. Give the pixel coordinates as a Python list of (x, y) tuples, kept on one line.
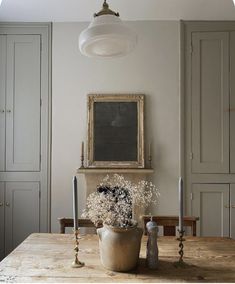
[(107, 35)]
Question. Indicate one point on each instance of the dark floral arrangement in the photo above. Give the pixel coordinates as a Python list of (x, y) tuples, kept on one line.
[(113, 200), (121, 201)]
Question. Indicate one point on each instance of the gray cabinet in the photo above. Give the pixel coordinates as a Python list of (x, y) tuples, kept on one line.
[(210, 102), (232, 103), (210, 125), (23, 103), (232, 210), (20, 203), (20, 103), (24, 132), (2, 219), (210, 202), (2, 100)]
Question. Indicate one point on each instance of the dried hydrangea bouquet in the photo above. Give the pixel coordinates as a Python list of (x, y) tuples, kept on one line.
[(112, 204)]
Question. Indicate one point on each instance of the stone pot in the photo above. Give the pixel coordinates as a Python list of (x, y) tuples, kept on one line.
[(119, 247)]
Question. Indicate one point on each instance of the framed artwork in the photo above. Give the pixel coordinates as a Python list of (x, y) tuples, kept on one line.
[(116, 131)]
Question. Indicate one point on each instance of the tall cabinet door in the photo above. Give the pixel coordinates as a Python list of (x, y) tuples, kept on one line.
[(1, 220), (210, 102), (210, 203), (21, 213), (23, 103), (232, 103), (2, 100)]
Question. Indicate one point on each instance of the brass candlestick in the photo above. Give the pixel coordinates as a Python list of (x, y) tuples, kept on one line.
[(181, 239), (76, 263), (181, 245)]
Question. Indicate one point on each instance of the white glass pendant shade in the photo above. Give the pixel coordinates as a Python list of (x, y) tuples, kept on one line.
[(107, 36)]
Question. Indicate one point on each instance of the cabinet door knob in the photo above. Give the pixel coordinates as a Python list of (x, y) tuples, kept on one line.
[(2, 110), (233, 206), (7, 204), (1, 204), (226, 206), (8, 110)]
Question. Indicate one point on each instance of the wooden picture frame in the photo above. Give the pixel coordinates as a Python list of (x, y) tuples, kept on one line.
[(115, 131)]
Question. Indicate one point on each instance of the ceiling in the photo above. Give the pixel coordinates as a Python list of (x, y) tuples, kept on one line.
[(82, 10)]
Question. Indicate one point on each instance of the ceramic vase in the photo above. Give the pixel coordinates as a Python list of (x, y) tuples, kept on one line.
[(119, 247)]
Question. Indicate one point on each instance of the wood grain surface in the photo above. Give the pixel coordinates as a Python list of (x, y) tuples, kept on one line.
[(48, 258)]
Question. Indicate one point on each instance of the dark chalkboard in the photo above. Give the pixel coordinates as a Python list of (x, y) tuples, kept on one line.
[(115, 131)]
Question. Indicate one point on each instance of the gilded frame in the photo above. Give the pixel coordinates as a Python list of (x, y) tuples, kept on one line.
[(138, 100)]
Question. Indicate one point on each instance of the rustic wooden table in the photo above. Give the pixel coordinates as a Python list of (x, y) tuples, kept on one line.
[(48, 258)]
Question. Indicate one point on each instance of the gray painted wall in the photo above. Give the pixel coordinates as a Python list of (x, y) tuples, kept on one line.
[(152, 69)]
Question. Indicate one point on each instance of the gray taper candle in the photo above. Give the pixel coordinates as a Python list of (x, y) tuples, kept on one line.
[(181, 204), (75, 203)]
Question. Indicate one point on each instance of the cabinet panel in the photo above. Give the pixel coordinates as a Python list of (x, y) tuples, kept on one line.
[(1, 220), (232, 212), (211, 204), (232, 103), (21, 212), (2, 100), (210, 102), (23, 103)]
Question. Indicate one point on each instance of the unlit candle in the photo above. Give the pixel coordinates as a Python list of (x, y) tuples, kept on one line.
[(150, 146), (75, 205), (82, 149), (181, 202)]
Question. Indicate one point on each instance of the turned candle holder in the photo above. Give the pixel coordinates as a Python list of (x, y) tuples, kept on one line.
[(180, 262), (181, 245), (77, 263)]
